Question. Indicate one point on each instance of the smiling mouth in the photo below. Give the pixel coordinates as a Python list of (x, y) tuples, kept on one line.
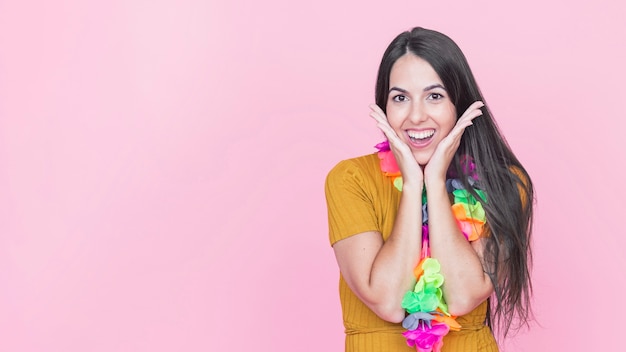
[(420, 136)]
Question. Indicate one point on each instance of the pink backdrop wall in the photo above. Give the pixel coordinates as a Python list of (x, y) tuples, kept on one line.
[(162, 164)]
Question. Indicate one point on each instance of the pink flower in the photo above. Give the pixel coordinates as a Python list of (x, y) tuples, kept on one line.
[(467, 165), (388, 163), (427, 339), (383, 146)]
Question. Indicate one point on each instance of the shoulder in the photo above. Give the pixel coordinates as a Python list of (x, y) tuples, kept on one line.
[(360, 169), (355, 192)]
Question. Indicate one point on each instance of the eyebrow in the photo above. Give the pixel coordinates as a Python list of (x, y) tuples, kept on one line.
[(433, 86), (399, 90), (430, 87)]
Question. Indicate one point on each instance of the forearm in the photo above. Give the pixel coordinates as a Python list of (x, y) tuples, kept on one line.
[(466, 285), (392, 271)]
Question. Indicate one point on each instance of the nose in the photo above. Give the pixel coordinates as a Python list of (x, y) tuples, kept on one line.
[(418, 113)]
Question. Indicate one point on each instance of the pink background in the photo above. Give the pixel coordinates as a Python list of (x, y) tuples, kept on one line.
[(162, 164)]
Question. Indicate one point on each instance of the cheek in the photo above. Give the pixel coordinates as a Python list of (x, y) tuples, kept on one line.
[(395, 117), (448, 120), (449, 125)]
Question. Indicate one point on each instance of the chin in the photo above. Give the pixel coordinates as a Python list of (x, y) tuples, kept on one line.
[(422, 159)]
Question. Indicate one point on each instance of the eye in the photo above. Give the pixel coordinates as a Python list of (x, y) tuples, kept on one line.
[(435, 96), (399, 98)]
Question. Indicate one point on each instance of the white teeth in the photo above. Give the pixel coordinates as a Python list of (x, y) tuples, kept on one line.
[(421, 134)]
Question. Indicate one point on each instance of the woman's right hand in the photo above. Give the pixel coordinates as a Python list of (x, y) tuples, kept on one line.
[(411, 171)]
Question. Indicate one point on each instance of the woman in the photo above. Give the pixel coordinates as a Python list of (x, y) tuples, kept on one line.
[(433, 230)]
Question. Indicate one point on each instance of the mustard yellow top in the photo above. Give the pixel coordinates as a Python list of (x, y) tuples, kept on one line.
[(361, 199)]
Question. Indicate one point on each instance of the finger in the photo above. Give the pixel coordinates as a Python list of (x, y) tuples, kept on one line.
[(473, 111), (468, 116), (377, 113), (467, 120), (394, 141), (383, 124), (463, 123), (378, 117), (458, 130), (388, 131), (377, 108), (476, 105)]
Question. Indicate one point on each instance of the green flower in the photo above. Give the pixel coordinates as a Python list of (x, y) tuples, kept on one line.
[(464, 196), (427, 295)]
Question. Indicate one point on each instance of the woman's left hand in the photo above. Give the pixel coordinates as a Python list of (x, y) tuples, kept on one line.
[(443, 154)]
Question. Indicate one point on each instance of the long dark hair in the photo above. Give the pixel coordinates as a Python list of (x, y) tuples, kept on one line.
[(510, 194)]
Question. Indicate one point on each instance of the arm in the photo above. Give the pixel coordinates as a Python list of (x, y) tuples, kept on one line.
[(470, 286), (466, 285), (378, 272), (381, 272)]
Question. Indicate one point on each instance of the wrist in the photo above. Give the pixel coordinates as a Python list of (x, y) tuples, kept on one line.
[(413, 187), (433, 184)]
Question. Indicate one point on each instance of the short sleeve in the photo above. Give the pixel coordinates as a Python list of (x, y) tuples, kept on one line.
[(522, 185), (350, 201)]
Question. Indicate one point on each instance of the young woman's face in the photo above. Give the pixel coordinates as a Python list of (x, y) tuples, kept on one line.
[(418, 107)]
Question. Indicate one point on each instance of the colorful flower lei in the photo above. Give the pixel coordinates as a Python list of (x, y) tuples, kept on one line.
[(428, 319)]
